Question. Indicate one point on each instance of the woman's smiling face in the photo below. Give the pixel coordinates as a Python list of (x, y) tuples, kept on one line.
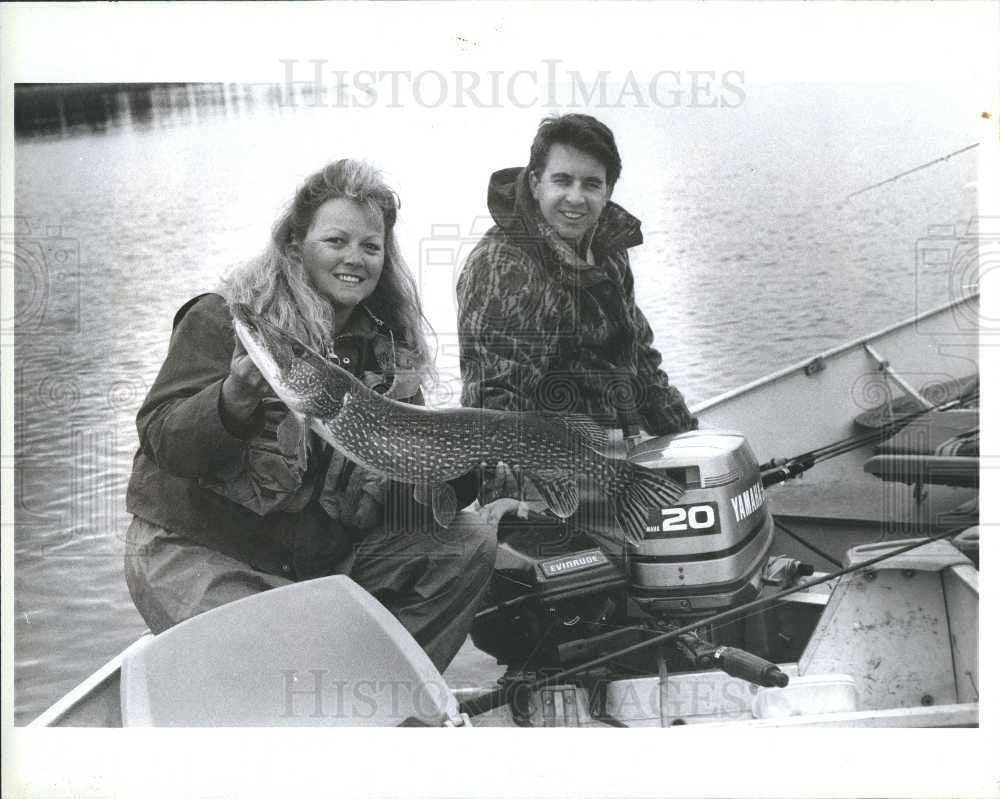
[(343, 253)]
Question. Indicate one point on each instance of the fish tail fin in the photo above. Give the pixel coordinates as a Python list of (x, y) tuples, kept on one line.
[(635, 491)]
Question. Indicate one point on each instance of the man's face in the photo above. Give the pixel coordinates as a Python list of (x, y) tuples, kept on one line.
[(571, 191)]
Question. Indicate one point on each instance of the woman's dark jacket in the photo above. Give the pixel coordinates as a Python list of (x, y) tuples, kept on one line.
[(263, 492), (542, 329)]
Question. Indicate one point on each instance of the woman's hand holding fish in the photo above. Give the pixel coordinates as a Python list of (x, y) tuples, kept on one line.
[(244, 386)]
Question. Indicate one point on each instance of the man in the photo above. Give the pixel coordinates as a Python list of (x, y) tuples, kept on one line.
[(546, 305)]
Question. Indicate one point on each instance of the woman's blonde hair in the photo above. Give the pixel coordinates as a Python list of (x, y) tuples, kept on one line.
[(276, 286)]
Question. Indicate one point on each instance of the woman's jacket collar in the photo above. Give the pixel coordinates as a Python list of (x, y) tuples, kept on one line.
[(366, 325)]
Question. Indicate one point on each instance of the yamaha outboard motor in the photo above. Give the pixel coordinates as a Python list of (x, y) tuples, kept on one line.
[(557, 598), (707, 552)]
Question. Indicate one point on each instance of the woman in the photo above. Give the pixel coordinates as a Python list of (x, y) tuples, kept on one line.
[(231, 495)]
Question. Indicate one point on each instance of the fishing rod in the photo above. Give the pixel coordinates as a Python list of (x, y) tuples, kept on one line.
[(777, 470), (888, 429), (500, 696), (807, 544), (911, 171)]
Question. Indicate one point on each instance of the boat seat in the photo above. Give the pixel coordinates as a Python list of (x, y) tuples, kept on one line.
[(937, 433), (964, 390), (938, 448), (926, 469), (317, 653)]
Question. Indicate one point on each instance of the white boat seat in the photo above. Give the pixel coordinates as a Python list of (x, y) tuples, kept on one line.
[(317, 653)]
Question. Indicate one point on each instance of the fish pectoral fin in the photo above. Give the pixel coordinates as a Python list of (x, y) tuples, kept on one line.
[(560, 493), (444, 503), (394, 391), (422, 494), (321, 428), (404, 385)]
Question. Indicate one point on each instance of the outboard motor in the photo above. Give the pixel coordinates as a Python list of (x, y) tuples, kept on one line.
[(557, 598), (707, 552)]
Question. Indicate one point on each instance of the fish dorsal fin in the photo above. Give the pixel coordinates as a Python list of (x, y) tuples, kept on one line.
[(581, 426), (444, 503), (587, 429), (560, 493)]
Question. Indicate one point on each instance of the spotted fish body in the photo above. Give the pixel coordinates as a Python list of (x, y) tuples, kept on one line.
[(427, 447)]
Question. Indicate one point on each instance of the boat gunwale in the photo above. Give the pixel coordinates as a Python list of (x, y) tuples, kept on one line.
[(840, 349), (53, 714), (955, 714)]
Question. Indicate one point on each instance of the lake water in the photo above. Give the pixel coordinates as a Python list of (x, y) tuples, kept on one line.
[(132, 200)]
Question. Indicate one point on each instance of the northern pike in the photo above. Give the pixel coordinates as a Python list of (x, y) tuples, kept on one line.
[(427, 447)]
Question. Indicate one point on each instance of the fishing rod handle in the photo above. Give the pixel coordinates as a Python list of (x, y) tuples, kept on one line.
[(786, 470), (751, 668)]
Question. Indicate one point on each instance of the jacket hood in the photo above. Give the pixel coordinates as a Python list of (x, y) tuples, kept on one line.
[(515, 211)]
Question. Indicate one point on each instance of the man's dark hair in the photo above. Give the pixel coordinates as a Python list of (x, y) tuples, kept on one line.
[(583, 132)]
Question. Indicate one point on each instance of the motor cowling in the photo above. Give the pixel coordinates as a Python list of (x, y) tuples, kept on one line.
[(706, 552)]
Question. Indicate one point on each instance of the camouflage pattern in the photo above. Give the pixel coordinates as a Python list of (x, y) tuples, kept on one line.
[(543, 329)]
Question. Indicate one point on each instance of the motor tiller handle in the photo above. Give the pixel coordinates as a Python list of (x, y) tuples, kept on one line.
[(738, 663)]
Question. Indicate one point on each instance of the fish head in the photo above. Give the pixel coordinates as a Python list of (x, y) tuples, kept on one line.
[(309, 384)]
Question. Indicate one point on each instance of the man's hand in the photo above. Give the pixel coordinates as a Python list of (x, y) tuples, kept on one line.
[(502, 493), (500, 481)]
